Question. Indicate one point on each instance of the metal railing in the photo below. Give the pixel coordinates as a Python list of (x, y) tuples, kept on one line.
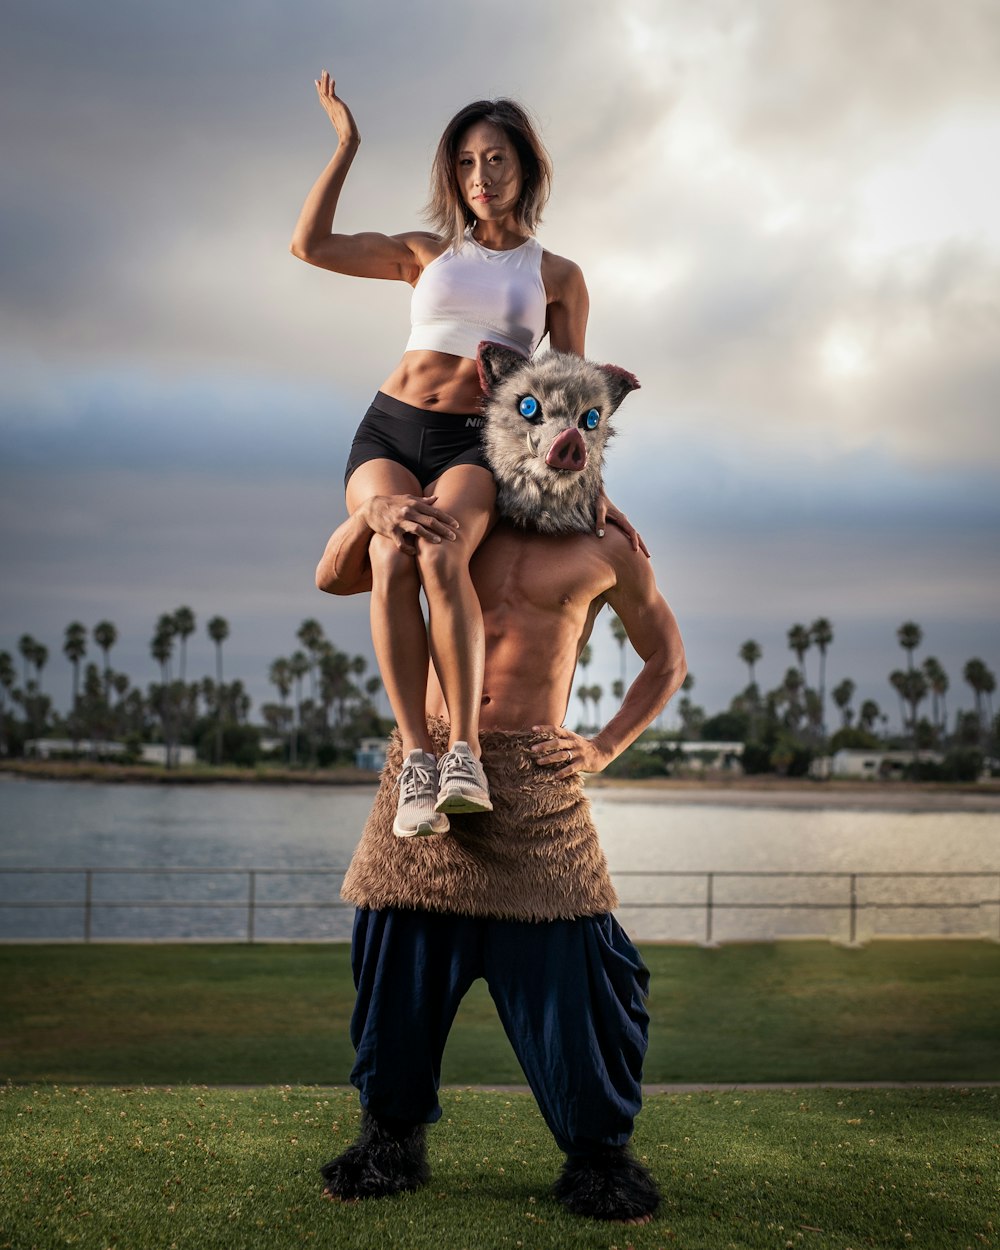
[(249, 901), (852, 904)]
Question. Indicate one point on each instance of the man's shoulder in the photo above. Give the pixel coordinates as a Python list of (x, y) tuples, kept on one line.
[(619, 548)]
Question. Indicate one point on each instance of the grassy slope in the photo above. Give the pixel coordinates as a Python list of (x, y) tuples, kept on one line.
[(277, 1014), (213, 1169)]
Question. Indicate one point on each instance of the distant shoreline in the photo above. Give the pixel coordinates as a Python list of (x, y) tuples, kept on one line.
[(756, 791), (147, 774), (803, 794)]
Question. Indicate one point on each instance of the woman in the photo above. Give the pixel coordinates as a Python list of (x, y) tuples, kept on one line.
[(481, 276)]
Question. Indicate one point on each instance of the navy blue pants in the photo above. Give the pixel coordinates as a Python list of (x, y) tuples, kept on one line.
[(570, 994)]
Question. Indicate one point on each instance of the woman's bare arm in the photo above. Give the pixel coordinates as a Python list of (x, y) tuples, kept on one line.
[(568, 306), (368, 255)]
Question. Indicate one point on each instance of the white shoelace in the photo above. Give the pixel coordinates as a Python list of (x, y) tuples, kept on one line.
[(456, 767), (415, 782)]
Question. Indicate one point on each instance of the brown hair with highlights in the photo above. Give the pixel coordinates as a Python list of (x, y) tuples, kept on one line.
[(447, 211)]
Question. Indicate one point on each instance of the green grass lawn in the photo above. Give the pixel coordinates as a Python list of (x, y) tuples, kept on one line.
[(201, 1169), (788, 1011)]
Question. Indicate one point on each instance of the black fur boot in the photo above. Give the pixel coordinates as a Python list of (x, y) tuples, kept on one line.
[(610, 1184), (390, 1156)]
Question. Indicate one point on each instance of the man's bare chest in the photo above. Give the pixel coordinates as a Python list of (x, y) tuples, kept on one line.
[(539, 575)]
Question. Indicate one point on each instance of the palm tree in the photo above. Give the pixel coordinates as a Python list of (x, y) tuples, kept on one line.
[(161, 648), (821, 635), (120, 685), (586, 655), (937, 679), (843, 693), (621, 637), (989, 685), (40, 704), (335, 682), (40, 659), (618, 689), (868, 715), (26, 645), (106, 635), (8, 674), (799, 641), (914, 691), (298, 665), (310, 634), (983, 684), (358, 666), (790, 690), (280, 675), (897, 679), (218, 631), (373, 686), (34, 656), (184, 624), (750, 654), (583, 694), (910, 635), (7, 678), (692, 718), (74, 649), (596, 695), (239, 701), (164, 634), (814, 711)]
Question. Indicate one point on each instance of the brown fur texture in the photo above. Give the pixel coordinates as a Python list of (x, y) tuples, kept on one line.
[(531, 492), (535, 857)]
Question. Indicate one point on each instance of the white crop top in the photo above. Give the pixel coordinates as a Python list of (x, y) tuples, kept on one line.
[(465, 296)]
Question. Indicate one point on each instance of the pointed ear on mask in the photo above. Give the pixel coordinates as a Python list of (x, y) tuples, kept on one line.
[(496, 363), (620, 383)]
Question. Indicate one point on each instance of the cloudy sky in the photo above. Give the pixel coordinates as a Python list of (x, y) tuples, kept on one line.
[(788, 213)]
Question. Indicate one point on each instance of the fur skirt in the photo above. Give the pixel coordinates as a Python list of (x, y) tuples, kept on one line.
[(535, 857)]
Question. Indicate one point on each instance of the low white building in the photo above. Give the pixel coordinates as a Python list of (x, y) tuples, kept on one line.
[(149, 752), (876, 765), (699, 756)]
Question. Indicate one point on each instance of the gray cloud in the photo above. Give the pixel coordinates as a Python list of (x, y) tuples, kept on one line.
[(816, 428)]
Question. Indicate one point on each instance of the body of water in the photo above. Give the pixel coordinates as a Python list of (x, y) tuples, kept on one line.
[(263, 849)]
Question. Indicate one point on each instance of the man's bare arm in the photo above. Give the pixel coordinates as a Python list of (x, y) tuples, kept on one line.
[(345, 569), (652, 630)]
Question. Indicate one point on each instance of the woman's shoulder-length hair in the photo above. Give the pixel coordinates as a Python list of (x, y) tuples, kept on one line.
[(447, 211)]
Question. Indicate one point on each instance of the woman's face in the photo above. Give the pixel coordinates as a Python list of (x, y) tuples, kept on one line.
[(488, 171)]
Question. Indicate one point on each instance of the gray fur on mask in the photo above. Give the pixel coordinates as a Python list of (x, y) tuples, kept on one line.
[(565, 389)]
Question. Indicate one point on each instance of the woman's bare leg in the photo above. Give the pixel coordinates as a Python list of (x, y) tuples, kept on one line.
[(399, 633), (457, 642)]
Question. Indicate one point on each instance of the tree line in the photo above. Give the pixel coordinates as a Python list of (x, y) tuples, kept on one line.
[(783, 729), (324, 704)]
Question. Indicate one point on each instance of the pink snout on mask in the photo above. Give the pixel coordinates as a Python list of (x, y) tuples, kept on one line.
[(568, 452)]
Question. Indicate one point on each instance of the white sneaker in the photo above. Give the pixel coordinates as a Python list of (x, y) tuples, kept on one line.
[(463, 784), (418, 783)]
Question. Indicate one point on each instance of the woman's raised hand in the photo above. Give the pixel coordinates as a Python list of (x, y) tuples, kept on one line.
[(336, 110)]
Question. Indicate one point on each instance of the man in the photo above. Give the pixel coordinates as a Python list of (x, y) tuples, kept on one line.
[(521, 896)]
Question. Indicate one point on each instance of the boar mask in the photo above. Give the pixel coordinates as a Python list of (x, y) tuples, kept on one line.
[(548, 421)]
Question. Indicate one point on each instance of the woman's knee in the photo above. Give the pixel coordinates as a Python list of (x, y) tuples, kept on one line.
[(443, 564), (392, 569)]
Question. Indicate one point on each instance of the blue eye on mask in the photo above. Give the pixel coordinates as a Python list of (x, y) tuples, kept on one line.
[(528, 407), (592, 419)]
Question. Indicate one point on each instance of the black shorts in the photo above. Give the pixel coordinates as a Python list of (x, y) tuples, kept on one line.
[(426, 443)]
